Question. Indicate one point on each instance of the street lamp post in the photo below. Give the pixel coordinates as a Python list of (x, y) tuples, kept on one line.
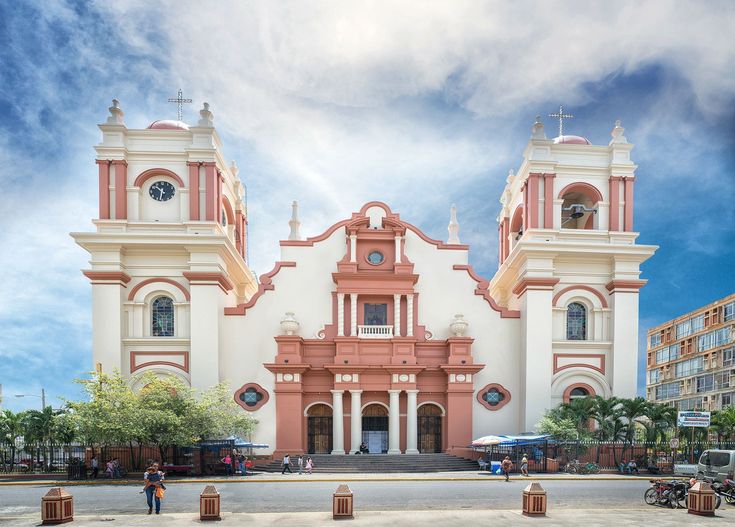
[(42, 396)]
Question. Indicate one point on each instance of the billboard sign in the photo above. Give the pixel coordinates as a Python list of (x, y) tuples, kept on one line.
[(693, 419)]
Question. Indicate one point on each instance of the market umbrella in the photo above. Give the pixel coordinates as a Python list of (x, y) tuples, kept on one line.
[(488, 441)]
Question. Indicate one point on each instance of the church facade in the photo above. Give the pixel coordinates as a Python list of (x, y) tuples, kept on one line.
[(370, 332)]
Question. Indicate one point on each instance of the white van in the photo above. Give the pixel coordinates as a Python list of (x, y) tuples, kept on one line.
[(717, 464)]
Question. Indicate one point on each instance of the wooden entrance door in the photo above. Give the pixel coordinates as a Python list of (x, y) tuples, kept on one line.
[(375, 428), (429, 429), (319, 429)]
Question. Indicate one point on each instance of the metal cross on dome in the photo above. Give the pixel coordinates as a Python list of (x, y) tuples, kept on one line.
[(179, 100), (561, 115)]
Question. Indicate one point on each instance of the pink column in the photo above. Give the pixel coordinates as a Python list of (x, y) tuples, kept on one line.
[(104, 173), (524, 190), (210, 185), (220, 179), (533, 200), (238, 232), (614, 203), (193, 191), (628, 209), (506, 234), (549, 201), (459, 417), (121, 195)]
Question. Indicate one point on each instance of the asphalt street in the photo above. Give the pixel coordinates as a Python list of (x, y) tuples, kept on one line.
[(294, 496)]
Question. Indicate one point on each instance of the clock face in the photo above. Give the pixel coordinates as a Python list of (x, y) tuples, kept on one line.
[(162, 191)]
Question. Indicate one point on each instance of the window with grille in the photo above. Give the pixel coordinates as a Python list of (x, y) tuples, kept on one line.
[(576, 322), (162, 317)]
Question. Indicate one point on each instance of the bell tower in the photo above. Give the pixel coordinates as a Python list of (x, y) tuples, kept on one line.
[(169, 252), (569, 262)]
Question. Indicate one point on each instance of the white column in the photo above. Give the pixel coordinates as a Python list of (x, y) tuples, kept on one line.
[(398, 249), (394, 423), (411, 422), (355, 420), (340, 314), (409, 315), (338, 423), (353, 248), (396, 315), (353, 314)]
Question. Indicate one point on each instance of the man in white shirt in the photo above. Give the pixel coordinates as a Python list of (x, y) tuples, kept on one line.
[(286, 464)]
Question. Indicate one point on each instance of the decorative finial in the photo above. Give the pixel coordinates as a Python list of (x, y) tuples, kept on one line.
[(234, 168), (179, 100), (617, 134), (206, 118), (511, 174), (561, 115), (116, 114), (537, 132), (294, 223), (453, 227)]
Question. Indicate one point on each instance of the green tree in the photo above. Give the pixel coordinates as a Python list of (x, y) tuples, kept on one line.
[(659, 420), (633, 411), (560, 428), (580, 411), (12, 428), (723, 423), (39, 432)]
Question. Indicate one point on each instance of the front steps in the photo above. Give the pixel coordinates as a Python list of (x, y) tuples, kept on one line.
[(380, 463)]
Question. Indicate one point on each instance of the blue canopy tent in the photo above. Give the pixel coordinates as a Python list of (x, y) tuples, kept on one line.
[(514, 446)]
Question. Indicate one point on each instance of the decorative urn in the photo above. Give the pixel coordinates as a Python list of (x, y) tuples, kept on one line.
[(458, 325), (289, 324)]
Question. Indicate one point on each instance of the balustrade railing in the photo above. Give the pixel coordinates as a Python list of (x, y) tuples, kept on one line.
[(375, 332)]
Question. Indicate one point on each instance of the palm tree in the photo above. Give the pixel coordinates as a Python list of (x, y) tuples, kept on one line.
[(606, 413), (40, 429), (580, 411), (660, 418), (633, 410), (12, 428), (723, 423)]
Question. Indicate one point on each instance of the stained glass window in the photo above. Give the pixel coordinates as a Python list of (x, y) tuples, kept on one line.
[(576, 322), (251, 396), (162, 317), (493, 397)]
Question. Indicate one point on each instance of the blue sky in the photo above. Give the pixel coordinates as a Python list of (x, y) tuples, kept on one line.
[(337, 103)]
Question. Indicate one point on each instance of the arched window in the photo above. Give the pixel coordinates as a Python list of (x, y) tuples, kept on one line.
[(578, 393), (162, 317), (576, 321)]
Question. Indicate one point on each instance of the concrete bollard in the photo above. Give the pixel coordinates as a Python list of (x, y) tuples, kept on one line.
[(342, 503), (57, 506), (209, 504), (701, 499), (534, 500)]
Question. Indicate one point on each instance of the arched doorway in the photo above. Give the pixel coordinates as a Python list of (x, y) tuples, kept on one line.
[(429, 429), (319, 429), (375, 428)]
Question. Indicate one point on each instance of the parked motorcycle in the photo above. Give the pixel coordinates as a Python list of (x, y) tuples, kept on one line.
[(662, 493)]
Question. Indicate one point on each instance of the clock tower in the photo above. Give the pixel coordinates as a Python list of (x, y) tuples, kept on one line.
[(170, 248)]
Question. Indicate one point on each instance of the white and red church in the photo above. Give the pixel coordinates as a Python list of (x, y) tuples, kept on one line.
[(371, 331)]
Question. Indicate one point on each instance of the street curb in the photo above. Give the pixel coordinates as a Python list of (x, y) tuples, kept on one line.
[(327, 479)]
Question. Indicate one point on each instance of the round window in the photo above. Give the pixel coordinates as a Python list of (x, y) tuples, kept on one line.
[(375, 257)]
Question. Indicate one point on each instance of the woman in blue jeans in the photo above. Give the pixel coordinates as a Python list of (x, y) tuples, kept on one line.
[(153, 480)]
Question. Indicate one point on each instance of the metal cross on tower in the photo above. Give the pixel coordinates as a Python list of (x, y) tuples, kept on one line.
[(179, 100), (561, 115)]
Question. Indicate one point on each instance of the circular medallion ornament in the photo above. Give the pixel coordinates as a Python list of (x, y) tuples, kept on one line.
[(493, 397), (251, 396), (346, 377), (375, 257), (288, 377), (461, 377), (403, 377)]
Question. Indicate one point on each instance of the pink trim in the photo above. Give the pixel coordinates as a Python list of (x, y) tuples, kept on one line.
[(533, 200), (260, 403), (309, 242), (153, 172), (482, 290), (134, 366), (584, 188), (193, 191), (534, 284), (199, 278), (589, 224), (500, 389), (108, 277), (628, 207), (137, 287), (218, 217), (228, 211), (121, 194), (524, 192), (266, 284), (549, 201), (600, 356), (516, 223), (613, 285), (104, 176), (437, 243), (568, 391), (592, 290), (506, 235), (210, 186), (614, 203)]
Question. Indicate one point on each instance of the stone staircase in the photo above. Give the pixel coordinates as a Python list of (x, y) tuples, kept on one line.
[(380, 463)]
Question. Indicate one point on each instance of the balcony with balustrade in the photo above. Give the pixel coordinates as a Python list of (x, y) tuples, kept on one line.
[(375, 332)]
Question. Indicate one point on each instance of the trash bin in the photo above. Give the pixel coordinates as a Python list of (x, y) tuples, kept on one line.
[(495, 467)]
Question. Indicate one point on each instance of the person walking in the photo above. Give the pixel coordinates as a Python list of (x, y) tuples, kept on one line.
[(227, 460), (300, 464), (95, 464), (524, 465), (286, 464), (309, 465), (153, 488), (506, 467), (241, 464)]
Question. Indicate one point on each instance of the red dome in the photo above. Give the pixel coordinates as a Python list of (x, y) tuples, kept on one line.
[(571, 140), (167, 124)]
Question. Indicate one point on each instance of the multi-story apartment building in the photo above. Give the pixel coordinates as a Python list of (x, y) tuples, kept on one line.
[(691, 363)]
